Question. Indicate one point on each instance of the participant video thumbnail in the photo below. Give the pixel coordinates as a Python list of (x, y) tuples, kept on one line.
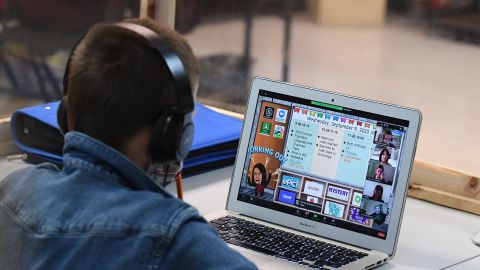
[(386, 137), (382, 173), (385, 155), (377, 211), (377, 192)]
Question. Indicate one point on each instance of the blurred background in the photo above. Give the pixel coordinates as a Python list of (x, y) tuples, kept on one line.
[(418, 53)]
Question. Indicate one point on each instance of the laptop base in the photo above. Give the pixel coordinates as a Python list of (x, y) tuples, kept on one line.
[(266, 257)]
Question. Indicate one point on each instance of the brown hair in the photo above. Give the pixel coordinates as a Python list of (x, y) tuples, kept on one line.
[(118, 84)]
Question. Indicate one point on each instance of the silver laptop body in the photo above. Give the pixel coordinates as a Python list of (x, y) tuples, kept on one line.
[(330, 167)]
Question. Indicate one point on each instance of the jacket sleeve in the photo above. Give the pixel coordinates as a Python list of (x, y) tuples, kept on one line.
[(197, 246)]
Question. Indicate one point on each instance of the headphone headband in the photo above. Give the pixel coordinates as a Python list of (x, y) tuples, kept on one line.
[(173, 62)]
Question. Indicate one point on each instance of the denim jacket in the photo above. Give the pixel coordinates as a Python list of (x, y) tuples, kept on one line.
[(102, 212)]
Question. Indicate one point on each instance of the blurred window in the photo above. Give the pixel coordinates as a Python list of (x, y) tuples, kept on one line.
[(417, 53), (35, 41)]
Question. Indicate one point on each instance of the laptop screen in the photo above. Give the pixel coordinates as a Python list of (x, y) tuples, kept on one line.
[(323, 162)]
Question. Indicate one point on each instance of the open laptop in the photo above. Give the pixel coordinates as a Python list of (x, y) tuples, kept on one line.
[(320, 179)]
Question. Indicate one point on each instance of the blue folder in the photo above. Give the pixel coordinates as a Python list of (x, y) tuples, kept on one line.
[(35, 131)]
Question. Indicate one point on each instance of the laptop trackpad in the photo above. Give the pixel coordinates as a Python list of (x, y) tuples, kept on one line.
[(265, 262), (257, 259)]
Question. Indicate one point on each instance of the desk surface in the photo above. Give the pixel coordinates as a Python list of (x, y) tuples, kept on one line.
[(431, 237)]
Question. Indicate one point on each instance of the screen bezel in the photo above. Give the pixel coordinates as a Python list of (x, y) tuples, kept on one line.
[(414, 117)]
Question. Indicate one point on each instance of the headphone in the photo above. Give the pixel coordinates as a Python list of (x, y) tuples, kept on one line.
[(172, 134)]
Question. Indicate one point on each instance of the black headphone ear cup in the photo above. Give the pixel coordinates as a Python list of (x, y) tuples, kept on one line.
[(162, 146), (172, 137), (62, 115), (185, 141)]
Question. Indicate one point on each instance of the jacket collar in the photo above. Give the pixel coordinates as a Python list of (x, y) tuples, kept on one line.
[(81, 147)]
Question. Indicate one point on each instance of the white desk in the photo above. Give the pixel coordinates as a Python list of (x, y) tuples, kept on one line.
[(432, 236)]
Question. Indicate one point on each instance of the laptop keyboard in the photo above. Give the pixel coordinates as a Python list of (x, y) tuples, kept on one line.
[(285, 245)]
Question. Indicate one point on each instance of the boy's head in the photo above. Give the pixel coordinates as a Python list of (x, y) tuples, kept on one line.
[(118, 85)]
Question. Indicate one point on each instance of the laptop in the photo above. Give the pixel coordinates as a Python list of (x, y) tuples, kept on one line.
[(320, 179)]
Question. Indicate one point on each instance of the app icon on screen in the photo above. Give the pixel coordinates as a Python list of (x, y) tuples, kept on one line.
[(312, 199), (266, 128), (281, 115), (278, 132), (268, 113), (286, 196), (290, 182), (338, 193), (356, 199), (313, 188), (334, 209)]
